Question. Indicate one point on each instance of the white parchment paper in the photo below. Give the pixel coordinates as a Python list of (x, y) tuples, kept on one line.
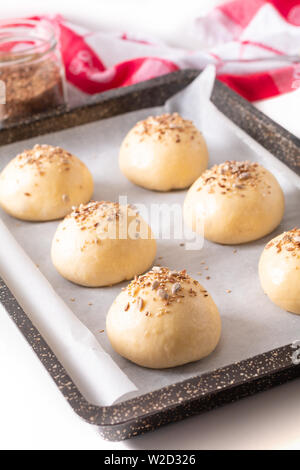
[(72, 318)]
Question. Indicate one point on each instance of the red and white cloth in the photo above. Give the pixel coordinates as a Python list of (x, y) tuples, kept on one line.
[(254, 45)]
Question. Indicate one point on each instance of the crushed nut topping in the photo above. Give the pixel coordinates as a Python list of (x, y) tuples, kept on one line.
[(102, 219), (230, 176), (166, 286), (92, 214), (288, 241), (42, 155), (176, 287), (155, 285), (156, 269), (163, 294), (166, 124)]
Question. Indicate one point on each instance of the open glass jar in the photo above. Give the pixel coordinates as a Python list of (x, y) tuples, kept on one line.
[(31, 70)]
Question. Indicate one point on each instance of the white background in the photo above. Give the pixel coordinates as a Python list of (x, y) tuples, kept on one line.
[(33, 413)]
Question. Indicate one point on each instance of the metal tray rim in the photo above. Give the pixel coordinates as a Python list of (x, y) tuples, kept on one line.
[(173, 402)]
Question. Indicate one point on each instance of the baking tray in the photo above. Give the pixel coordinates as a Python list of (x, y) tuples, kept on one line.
[(192, 396)]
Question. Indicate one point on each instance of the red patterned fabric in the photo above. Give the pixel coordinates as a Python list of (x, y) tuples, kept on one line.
[(254, 45)]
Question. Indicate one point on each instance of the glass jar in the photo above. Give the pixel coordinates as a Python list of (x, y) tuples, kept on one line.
[(31, 70)]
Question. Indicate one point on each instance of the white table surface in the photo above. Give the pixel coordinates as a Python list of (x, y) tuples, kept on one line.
[(33, 413)]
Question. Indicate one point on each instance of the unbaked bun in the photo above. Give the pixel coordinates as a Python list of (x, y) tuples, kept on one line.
[(279, 270), (102, 243), (163, 319), (163, 153), (235, 202), (44, 183)]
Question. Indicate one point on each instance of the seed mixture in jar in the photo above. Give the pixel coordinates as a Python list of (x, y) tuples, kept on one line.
[(31, 69), (30, 88)]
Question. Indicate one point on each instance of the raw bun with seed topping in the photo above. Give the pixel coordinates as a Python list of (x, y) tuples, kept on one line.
[(279, 270), (163, 319), (44, 183), (163, 153), (102, 243), (235, 202)]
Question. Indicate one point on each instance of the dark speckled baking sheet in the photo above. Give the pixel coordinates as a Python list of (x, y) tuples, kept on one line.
[(213, 388)]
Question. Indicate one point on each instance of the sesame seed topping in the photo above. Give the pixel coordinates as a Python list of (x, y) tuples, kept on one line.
[(244, 176), (173, 273), (42, 155), (229, 176), (156, 269), (287, 242), (95, 212), (165, 288), (176, 288), (163, 294), (171, 125), (140, 303)]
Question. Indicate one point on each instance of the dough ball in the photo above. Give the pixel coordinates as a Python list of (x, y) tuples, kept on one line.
[(163, 153), (163, 319), (102, 243), (44, 183), (279, 270), (235, 202)]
